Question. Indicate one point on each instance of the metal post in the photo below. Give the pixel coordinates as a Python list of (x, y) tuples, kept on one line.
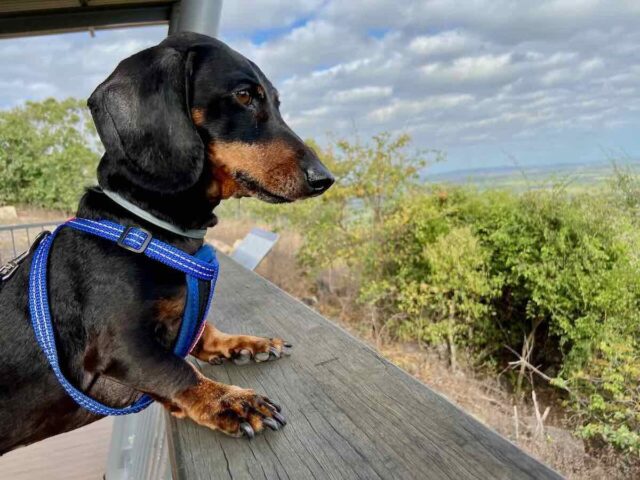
[(199, 16)]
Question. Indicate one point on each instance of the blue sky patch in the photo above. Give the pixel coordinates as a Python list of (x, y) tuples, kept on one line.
[(259, 37)]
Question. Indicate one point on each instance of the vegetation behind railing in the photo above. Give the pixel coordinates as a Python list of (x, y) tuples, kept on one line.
[(48, 153)]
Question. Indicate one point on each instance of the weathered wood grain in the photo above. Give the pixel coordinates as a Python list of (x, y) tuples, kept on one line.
[(352, 414)]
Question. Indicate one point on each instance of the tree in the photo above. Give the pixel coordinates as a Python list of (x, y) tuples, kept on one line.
[(48, 153)]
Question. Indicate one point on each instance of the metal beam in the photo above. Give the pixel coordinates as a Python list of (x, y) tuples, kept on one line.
[(83, 18), (199, 16)]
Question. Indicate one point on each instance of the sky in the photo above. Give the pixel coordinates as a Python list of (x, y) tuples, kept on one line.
[(489, 82)]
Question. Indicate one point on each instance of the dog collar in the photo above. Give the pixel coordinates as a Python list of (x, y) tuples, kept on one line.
[(201, 267), (139, 212)]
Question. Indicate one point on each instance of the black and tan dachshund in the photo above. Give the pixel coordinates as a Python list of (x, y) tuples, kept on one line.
[(185, 124)]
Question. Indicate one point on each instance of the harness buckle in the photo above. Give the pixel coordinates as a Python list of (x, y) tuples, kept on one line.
[(139, 249), (8, 269)]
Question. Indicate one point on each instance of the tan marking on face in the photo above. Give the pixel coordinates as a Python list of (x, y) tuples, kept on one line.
[(224, 186), (198, 115), (272, 165)]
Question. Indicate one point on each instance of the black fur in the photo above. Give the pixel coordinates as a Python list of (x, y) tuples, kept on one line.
[(102, 297)]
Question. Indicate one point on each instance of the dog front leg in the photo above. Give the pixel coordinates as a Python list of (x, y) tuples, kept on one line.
[(185, 392)]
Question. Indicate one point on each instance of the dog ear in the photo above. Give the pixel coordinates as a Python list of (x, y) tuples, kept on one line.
[(142, 115)]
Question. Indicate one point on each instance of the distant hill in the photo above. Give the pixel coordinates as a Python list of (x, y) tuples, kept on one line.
[(531, 177)]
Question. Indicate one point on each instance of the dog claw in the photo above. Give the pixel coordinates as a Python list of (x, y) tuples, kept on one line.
[(261, 357), (274, 353), (275, 406), (288, 345), (280, 418), (247, 431), (271, 423), (243, 358), (215, 361)]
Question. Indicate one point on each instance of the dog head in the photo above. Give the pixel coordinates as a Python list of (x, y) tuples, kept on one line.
[(191, 113)]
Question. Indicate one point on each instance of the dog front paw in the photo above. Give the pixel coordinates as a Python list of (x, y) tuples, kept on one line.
[(215, 347), (232, 410), (243, 412)]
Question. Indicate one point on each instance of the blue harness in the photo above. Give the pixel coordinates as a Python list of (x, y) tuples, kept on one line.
[(203, 266)]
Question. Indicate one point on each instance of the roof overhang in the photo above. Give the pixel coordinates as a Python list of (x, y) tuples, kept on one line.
[(36, 17)]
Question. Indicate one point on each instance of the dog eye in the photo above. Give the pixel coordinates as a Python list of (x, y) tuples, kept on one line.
[(244, 97)]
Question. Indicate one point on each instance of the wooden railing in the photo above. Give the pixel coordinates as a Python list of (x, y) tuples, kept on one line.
[(351, 413)]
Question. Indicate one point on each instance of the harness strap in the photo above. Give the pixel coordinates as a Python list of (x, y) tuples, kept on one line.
[(201, 267), (139, 240), (193, 321)]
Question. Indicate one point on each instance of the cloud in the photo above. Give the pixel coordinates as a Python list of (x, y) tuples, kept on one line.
[(484, 73), (359, 94), (542, 80), (65, 65), (401, 108), (447, 43)]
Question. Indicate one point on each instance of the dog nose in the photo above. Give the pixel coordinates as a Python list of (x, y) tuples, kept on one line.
[(319, 178)]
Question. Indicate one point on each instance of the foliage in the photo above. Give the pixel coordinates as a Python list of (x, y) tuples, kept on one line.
[(47, 153), (447, 300), (570, 280), (436, 284)]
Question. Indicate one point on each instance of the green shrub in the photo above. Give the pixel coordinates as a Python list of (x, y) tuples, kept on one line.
[(47, 153), (570, 280)]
